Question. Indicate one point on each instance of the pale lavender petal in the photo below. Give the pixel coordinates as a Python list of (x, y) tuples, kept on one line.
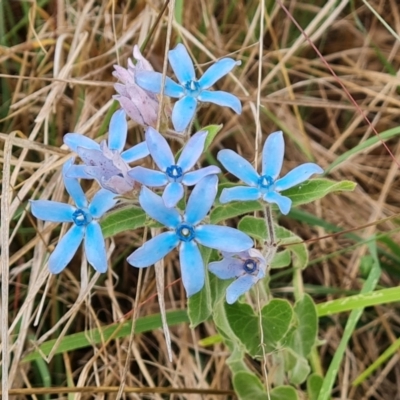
[(78, 172), (183, 112), (73, 187), (223, 238), (227, 268), (155, 207), (142, 63), (102, 201), (298, 175), (272, 155), (181, 63), (122, 74), (217, 71), (54, 211), (151, 81), (121, 90), (130, 108), (283, 202), (159, 149), (66, 248), (201, 199), (172, 194), (192, 267), (145, 103), (192, 151), (193, 177), (135, 153), (117, 184), (153, 250), (239, 193), (238, 166), (118, 131), (75, 140), (221, 98), (95, 248), (148, 177), (239, 287)]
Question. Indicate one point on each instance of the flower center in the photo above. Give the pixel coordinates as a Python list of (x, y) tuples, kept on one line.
[(185, 232), (174, 172), (81, 217), (250, 266), (192, 88), (265, 182)]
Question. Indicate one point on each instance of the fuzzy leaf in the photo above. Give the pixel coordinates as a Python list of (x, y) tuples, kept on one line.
[(314, 384), (122, 220), (284, 393), (248, 386), (212, 132)]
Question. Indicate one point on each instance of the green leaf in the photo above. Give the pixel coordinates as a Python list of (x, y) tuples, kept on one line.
[(294, 244), (276, 318), (254, 227), (303, 337), (121, 220), (315, 189), (212, 132), (281, 259), (244, 323), (96, 336), (314, 383), (248, 386), (284, 393), (298, 374), (233, 209), (199, 305)]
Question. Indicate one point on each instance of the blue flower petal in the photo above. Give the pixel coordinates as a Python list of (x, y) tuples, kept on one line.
[(298, 175), (216, 72), (75, 140), (155, 207), (272, 155), (183, 112), (222, 238), (239, 287), (201, 199), (238, 166), (192, 151), (227, 268), (148, 177), (54, 211), (181, 64), (117, 131), (78, 172), (239, 193), (153, 250), (102, 201), (193, 177), (151, 81), (221, 98), (95, 248), (283, 202), (66, 248), (135, 153), (172, 194), (73, 187), (159, 149), (192, 267)]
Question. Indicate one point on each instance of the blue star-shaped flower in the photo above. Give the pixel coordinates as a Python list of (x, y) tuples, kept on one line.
[(106, 162), (173, 174), (85, 226), (266, 185), (190, 90), (247, 266), (186, 232)]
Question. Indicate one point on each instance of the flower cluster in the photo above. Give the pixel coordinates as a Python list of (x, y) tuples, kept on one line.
[(186, 227)]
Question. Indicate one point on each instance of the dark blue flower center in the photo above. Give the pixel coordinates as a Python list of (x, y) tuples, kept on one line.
[(250, 266), (81, 217), (265, 182), (174, 172), (185, 232), (192, 88)]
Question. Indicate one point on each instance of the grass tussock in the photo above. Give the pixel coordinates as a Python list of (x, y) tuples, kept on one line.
[(56, 60)]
